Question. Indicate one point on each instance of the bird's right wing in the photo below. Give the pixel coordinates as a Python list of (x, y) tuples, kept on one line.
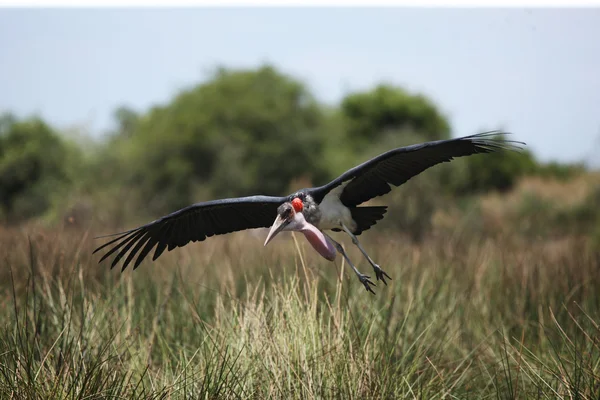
[(193, 223)]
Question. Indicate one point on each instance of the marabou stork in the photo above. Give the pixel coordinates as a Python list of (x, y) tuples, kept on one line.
[(334, 206)]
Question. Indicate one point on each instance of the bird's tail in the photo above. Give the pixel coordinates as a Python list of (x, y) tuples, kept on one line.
[(366, 217)]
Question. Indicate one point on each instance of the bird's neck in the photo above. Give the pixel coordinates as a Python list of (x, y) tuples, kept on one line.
[(311, 211)]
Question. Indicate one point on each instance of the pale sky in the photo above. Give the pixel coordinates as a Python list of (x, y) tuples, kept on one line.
[(533, 72)]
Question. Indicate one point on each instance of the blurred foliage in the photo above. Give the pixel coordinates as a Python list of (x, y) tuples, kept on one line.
[(127, 121), (559, 171), (240, 133), (244, 132), (496, 171), (500, 171), (370, 114), (34, 167), (546, 217)]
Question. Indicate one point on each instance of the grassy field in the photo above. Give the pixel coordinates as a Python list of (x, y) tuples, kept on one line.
[(465, 317)]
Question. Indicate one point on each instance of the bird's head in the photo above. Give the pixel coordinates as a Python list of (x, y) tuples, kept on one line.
[(289, 218)]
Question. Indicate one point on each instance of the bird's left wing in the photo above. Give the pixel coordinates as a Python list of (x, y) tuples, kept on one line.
[(193, 223), (374, 177)]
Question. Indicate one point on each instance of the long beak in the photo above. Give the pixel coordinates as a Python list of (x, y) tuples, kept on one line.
[(277, 227)]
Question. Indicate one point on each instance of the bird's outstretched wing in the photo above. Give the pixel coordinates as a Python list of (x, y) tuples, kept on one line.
[(193, 223), (374, 177)]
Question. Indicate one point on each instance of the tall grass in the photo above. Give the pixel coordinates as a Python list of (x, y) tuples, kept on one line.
[(464, 317)]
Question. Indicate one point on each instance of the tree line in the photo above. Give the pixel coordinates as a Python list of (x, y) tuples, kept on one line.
[(240, 132)]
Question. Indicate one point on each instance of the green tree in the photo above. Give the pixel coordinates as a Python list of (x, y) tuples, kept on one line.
[(496, 171), (127, 121), (33, 167), (242, 132), (387, 108)]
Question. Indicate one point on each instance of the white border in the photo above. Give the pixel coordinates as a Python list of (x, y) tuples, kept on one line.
[(297, 3)]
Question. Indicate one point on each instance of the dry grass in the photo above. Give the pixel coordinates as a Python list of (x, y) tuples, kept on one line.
[(555, 194), (465, 317)]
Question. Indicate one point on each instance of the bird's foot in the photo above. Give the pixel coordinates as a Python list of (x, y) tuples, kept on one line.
[(366, 280), (381, 274)]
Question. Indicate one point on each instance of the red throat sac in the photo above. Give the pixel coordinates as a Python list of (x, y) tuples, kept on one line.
[(297, 204)]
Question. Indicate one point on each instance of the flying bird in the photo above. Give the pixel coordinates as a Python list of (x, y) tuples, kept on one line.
[(334, 206)]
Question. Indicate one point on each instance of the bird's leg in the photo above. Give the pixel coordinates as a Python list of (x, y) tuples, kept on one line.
[(364, 279), (379, 273)]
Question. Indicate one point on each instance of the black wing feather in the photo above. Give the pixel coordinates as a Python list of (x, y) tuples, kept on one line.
[(374, 177), (193, 223)]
